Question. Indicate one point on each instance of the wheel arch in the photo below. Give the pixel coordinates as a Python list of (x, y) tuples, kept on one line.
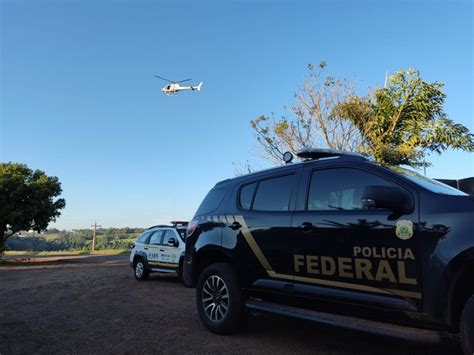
[(207, 257), (140, 255), (461, 285)]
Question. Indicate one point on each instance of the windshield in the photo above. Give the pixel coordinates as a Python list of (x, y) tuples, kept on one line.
[(427, 183)]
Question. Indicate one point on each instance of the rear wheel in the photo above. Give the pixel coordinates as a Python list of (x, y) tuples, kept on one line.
[(140, 271), (180, 271), (467, 327), (220, 300)]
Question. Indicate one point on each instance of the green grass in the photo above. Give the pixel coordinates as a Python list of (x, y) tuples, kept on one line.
[(111, 252), (70, 252)]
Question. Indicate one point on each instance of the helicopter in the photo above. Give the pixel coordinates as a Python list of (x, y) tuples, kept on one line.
[(173, 88)]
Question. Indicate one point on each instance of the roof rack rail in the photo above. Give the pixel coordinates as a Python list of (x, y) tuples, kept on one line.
[(174, 224), (318, 153)]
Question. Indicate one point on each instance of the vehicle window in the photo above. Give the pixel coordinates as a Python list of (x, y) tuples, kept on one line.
[(167, 235), (246, 195), (211, 202), (155, 238), (142, 239), (274, 194), (340, 189), (182, 233)]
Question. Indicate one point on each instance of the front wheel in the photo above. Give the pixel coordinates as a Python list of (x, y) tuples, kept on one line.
[(467, 327), (140, 271), (220, 300)]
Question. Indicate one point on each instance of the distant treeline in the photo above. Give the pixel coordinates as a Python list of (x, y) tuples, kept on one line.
[(78, 239)]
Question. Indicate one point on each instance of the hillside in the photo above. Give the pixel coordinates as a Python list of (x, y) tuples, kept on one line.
[(77, 239)]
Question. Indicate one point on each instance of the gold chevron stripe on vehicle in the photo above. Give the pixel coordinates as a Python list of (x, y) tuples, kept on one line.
[(252, 243), (266, 265)]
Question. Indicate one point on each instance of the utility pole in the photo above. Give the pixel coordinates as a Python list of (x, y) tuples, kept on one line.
[(95, 225)]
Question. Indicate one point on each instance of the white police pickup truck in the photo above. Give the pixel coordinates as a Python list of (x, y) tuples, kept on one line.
[(159, 249)]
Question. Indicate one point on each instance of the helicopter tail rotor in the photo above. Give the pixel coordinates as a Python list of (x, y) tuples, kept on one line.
[(198, 88)]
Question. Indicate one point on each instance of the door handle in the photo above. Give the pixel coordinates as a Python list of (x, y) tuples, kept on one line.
[(307, 226), (162, 249), (145, 248), (235, 226)]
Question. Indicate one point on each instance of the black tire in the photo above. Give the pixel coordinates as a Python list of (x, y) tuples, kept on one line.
[(144, 273), (180, 272), (221, 320), (466, 330)]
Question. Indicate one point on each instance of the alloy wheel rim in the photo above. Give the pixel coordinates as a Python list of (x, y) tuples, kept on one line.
[(215, 298), (139, 269)]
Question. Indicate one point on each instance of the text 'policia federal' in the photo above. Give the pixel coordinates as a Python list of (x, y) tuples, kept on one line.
[(378, 268)]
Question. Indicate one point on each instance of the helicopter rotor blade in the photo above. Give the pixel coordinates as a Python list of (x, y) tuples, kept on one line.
[(182, 81), (159, 77)]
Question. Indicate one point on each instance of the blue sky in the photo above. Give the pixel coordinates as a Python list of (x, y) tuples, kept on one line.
[(79, 101)]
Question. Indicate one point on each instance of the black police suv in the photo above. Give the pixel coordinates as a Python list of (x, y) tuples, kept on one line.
[(340, 240)]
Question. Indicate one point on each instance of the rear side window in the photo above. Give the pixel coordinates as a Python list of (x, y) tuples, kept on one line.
[(246, 196), (274, 194), (155, 238), (142, 239), (211, 202)]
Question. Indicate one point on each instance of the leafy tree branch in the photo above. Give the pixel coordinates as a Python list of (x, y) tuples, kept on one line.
[(27, 200)]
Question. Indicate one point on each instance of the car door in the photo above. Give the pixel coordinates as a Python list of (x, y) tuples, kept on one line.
[(169, 251), (346, 252), (141, 244), (153, 247), (260, 223)]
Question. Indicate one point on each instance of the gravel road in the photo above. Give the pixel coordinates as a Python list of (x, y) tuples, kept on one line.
[(93, 304)]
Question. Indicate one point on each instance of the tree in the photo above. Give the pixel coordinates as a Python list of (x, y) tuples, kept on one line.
[(241, 169), (315, 119), (27, 200), (404, 121)]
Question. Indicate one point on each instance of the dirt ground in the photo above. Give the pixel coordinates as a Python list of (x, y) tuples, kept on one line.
[(93, 304)]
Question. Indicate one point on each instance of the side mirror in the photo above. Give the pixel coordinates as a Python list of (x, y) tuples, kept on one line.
[(173, 242), (391, 198)]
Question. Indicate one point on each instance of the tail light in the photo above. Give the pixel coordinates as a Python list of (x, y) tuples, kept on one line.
[(191, 227)]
